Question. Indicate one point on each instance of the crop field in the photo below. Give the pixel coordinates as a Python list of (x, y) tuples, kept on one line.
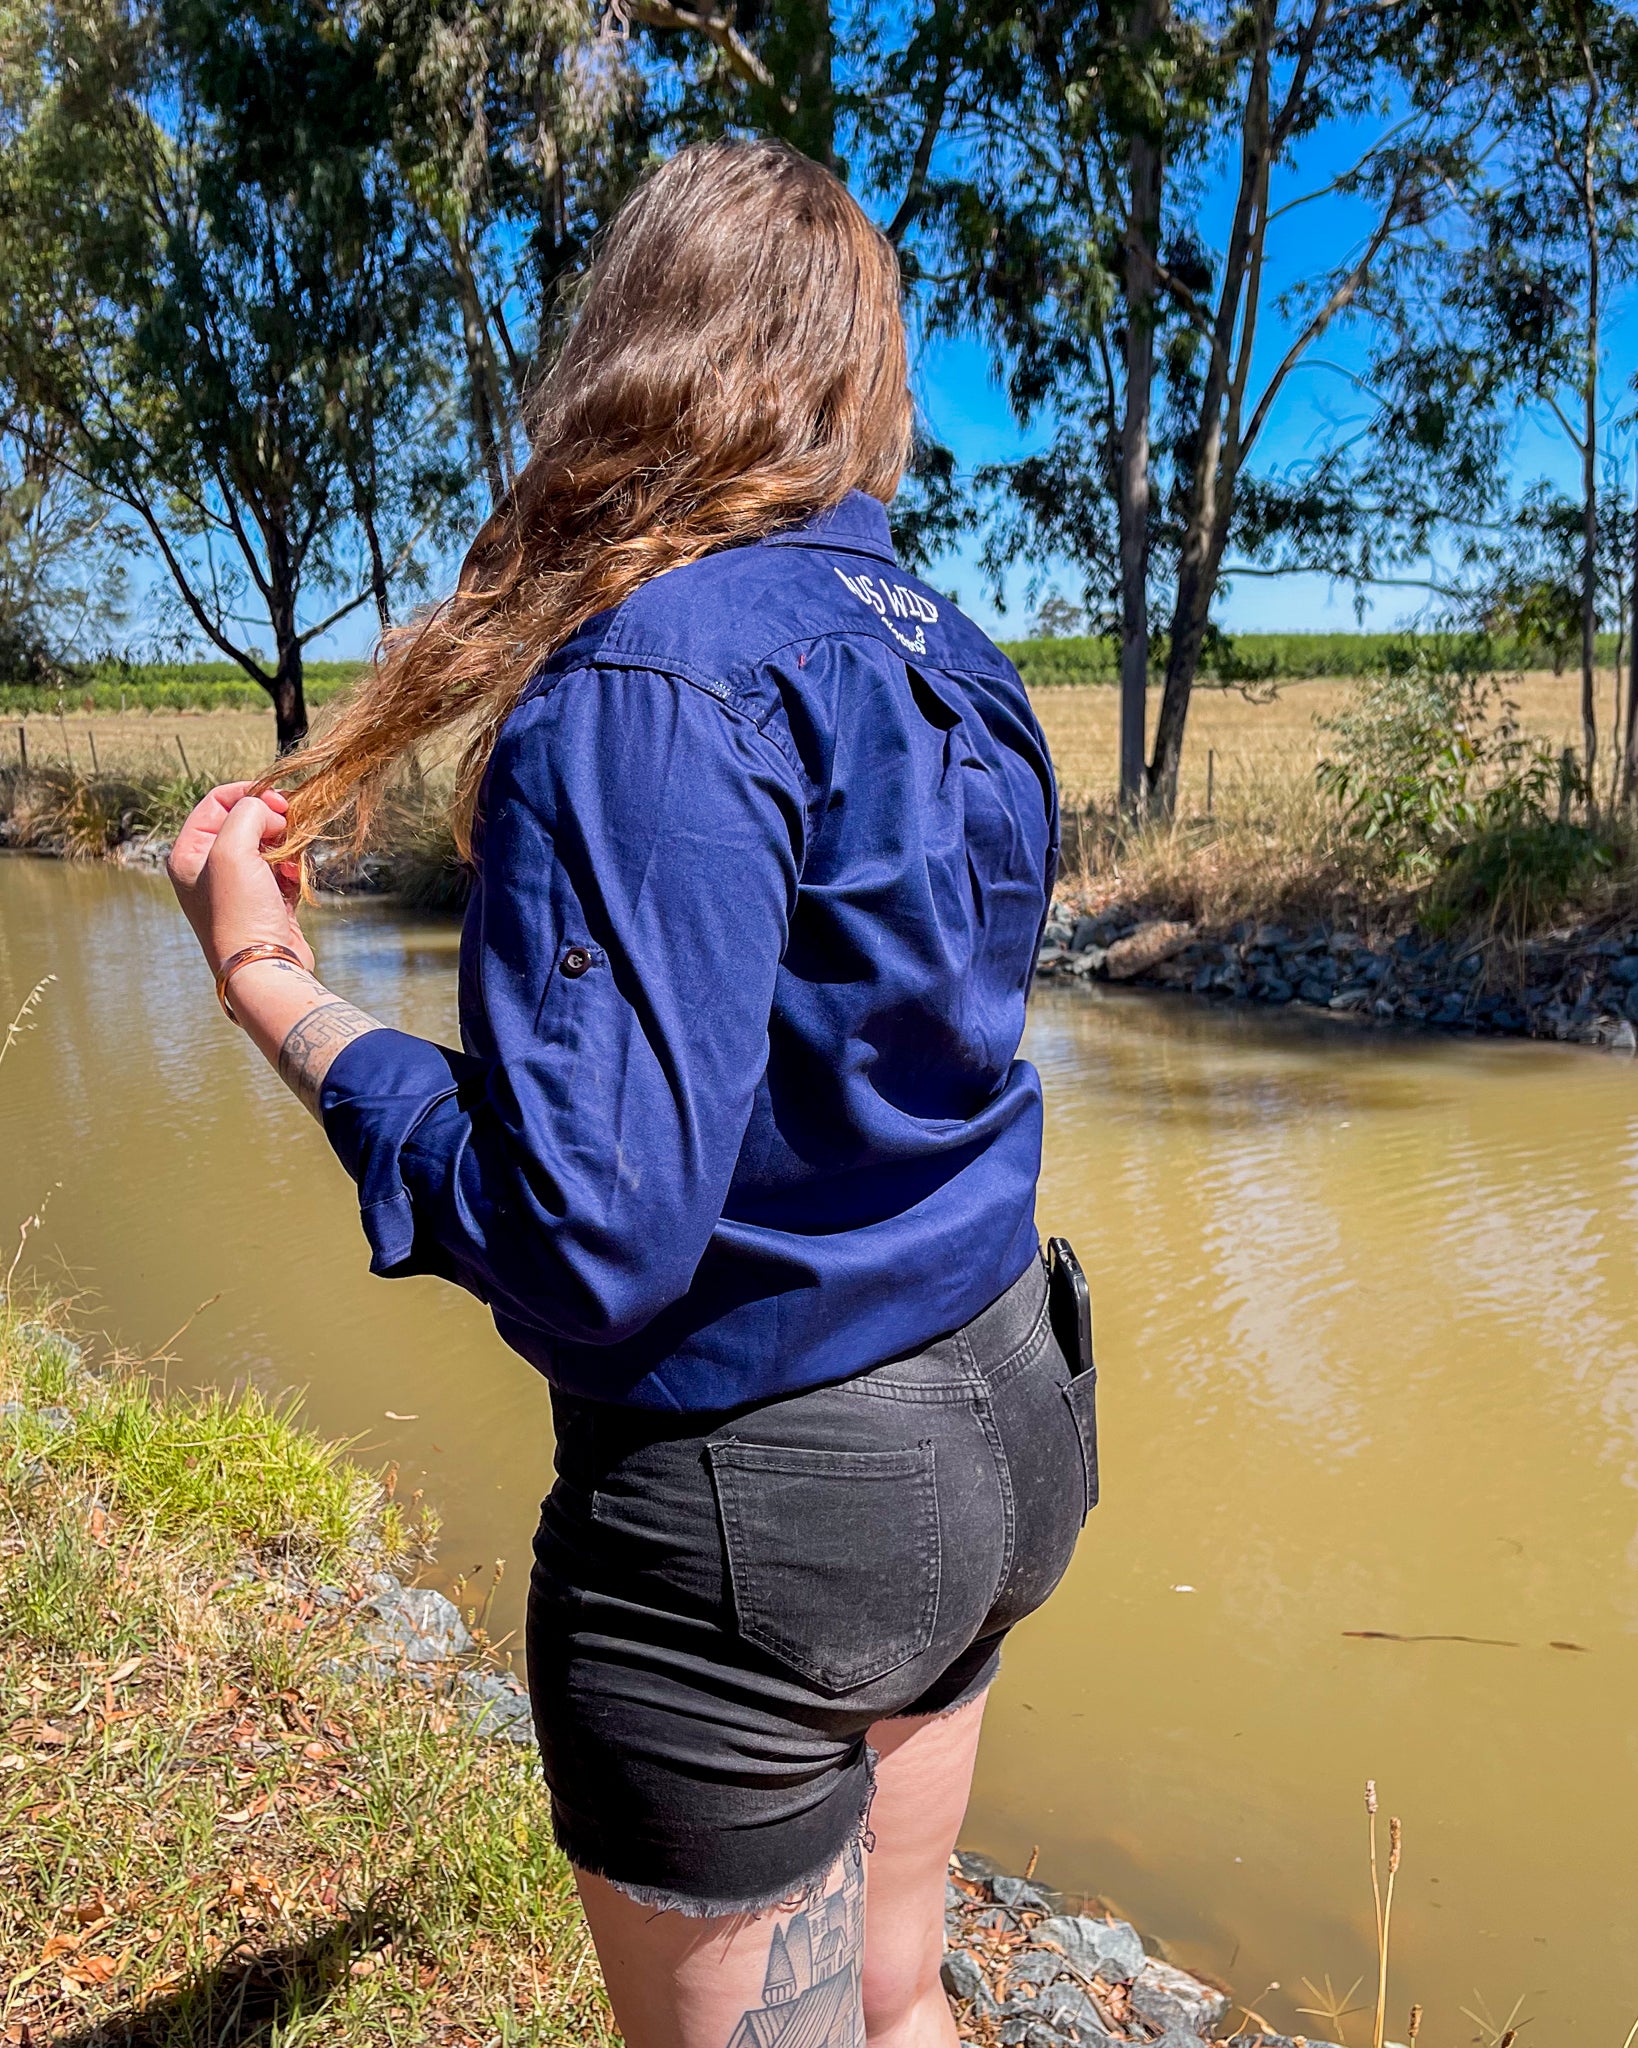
[(1237, 736)]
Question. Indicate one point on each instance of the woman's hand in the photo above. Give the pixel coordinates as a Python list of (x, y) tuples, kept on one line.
[(228, 892)]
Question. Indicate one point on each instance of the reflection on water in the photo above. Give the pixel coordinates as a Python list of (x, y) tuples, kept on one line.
[(1368, 1332)]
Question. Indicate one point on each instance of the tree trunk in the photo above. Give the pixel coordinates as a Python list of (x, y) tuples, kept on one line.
[(1589, 471), (1196, 585), (1629, 744), (289, 698), (490, 427), (1141, 232), (816, 89)]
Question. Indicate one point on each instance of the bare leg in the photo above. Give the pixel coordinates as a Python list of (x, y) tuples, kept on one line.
[(923, 1775), (858, 1964), (737, 1982)]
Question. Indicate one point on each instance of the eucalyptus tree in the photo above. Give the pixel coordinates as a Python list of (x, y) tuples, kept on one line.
[(519, 126), (1069, 225), (218, 300), (1552, 213)]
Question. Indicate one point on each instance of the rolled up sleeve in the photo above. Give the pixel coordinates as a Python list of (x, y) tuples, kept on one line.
[(638, 864)]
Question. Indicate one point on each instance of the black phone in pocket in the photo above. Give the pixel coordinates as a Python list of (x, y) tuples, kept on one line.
[(1069, 1305), (1069, 1309)]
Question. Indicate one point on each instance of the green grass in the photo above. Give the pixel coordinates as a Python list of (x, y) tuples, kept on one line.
[(168, 686), (208, 1832), (1260, 657)]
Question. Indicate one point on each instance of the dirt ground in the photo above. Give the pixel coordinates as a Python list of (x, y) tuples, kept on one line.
[(1232, 736)]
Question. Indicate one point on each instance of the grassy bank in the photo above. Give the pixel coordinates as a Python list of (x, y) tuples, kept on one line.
[(208, 1834), (1255, 836)]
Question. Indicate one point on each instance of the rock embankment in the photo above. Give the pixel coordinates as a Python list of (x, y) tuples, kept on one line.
[(1024, 1973), (1579, 987)]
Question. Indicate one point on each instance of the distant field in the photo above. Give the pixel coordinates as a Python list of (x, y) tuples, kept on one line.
[(1245, 739), (1247, 658), (1270, 657)]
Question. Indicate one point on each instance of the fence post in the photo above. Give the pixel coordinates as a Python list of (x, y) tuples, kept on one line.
[(22, 745), (91, 739), (1211, 776), (186, 770)]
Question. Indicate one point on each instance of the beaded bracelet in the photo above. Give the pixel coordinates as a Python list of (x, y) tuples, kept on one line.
[(263, 949)]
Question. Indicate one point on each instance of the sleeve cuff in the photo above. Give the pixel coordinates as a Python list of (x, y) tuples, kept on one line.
[(378, 1091)]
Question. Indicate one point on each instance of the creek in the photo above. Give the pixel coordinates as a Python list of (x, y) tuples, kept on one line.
[(1367, 1326)]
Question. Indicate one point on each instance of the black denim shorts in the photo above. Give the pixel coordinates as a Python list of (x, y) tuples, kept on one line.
[(722, 1605)]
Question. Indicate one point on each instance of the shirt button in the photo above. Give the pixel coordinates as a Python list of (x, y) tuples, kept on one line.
[(575, 962)]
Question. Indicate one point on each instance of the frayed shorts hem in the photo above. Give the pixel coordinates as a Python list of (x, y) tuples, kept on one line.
[(798, 1892)]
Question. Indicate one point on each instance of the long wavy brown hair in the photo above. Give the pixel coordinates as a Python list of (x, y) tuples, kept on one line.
[(737, 362)]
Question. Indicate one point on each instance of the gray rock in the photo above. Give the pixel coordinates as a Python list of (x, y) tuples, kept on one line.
[(1050, 957), (1087, 934), (1313, 990), (1349, 999), (1098, 1948), (1023, 2032), (962, 1978), (1626, 971), (329, 1596), (53, 1419), (1173, 2001), (499, 1706), (413, 1623), (1069, 2010), (46, 1342), (1273, 988), (1020, 1894), (1623, 1038)]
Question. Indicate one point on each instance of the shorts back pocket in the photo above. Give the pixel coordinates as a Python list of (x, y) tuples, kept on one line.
[(1082, 1395), (833, 1556)]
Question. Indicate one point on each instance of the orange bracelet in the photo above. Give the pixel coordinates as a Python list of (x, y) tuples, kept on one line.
[(263, 949)]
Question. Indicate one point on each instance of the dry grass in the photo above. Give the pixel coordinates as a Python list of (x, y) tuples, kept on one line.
[(1271, 846), (207, 1833), (221, 746), (1256, 741)]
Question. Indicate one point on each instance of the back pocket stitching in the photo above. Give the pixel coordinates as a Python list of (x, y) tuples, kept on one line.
[(1087, 1384), (918, 1465)]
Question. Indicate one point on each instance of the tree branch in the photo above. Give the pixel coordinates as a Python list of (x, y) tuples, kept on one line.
[(717, 29)]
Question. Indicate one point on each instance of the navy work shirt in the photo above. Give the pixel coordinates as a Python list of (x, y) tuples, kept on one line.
[(764, 857)]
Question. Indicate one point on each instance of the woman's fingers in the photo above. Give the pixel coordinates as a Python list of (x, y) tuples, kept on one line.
[(206, 819)]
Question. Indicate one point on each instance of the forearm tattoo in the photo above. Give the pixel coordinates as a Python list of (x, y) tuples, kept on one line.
[(311, 1045), (811, 1989)]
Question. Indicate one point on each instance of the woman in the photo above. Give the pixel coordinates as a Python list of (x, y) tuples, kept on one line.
[(738, 1150)]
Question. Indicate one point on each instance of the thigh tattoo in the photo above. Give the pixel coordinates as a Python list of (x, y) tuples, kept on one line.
[(811, 1992)]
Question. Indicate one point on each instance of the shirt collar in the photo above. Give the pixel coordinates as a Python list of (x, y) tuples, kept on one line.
[(858, 524)]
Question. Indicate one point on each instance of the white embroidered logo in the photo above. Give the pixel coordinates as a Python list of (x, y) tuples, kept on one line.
[(891, 601)]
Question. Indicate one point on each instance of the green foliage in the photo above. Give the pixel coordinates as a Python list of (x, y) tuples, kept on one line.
[(1518, 875), (1275, 657), (220, 299), (1430, 756), (1430, 766), (164, 686)]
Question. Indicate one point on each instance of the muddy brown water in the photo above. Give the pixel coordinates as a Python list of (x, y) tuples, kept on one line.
[(1368, 1332)]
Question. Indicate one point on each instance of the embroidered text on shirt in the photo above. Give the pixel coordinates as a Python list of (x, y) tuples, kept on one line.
[(893, 600)]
